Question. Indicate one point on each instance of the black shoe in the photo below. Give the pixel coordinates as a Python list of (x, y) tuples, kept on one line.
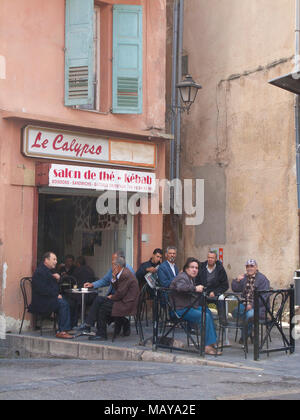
[(126, 328), (97, 338), (118, 327)]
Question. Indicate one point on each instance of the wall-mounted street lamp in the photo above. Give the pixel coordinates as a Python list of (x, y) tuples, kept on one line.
[(188, 90)]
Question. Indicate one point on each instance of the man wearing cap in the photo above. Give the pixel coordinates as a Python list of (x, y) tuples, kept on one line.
[(246, 284)]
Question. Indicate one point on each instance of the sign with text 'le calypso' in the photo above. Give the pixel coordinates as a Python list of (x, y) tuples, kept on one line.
[(47, 143), (101, 179)]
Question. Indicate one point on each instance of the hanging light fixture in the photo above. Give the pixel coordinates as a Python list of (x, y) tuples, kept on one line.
[(188, 89)]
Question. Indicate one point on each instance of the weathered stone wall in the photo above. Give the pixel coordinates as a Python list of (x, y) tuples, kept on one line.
[(240, 135)]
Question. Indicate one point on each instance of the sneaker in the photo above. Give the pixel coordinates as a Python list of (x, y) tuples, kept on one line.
[(84, 328)]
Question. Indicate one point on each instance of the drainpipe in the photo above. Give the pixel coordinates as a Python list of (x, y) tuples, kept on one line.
[(179, 78), (297, 110), (174, 82), (297, 100)]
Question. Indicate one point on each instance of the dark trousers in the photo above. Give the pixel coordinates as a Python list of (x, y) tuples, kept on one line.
[(101, 312)]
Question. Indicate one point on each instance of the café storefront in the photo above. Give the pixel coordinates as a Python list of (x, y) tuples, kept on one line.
[(68, 220), (71, 171)]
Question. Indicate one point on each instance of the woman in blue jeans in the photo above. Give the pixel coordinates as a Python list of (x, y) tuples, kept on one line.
[(184, 295)]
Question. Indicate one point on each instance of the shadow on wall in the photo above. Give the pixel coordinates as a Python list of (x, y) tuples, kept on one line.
[(213, 229)]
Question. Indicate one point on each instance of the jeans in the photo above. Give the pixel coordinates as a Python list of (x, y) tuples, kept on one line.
[(246, 315), (195, 316), (64, 322)]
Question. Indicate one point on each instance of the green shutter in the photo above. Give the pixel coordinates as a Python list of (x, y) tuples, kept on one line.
[(79, 55), (127, 59)]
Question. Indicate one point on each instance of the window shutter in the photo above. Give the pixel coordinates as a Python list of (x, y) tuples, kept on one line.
[(79, 55), (127, 59)]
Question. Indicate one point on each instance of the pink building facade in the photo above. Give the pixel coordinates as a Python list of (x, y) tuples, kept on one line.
[(82, 99)]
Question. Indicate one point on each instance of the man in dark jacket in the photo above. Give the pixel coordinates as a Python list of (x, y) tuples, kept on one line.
[(212, 275), (116, 306), (83, 273), (46, 297), (150, 266)]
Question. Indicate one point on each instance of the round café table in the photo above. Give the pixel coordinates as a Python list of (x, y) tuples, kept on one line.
[(83, 293)]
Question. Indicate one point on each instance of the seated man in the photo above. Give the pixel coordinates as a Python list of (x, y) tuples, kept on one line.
[(122, 303), (150, 266), (68, 267), (45, 295), (246, 283), (168, 270), (107, 279), (212, 275), (184, 289), (66, 270), (83, 273)]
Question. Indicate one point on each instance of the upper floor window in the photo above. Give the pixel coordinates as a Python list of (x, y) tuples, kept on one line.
[(85, 70)]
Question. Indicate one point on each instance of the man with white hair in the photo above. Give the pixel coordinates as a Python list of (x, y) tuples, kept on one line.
[(117, 306), (246, 284)]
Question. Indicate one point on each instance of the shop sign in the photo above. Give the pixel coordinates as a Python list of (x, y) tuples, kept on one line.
[(101, 179), (47, 143)]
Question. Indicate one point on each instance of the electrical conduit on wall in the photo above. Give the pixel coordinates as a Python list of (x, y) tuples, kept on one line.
[(2, 316)]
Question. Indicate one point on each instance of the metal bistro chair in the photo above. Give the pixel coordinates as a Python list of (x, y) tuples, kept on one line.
[(275, 303), (171, 321), (146, 307), (26, 289), (238, 324), (118, 326)]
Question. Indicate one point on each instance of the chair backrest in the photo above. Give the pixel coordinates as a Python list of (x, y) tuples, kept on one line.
[(239, 310), (277, 304), (168, 298), (26, 289)]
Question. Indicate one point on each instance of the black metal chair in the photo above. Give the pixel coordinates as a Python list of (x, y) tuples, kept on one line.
[(237, 323), (275, 303), (118, 324), (166, 314), (26, 290)]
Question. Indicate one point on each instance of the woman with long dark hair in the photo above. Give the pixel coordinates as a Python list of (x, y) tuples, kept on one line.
[(184, 295)]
